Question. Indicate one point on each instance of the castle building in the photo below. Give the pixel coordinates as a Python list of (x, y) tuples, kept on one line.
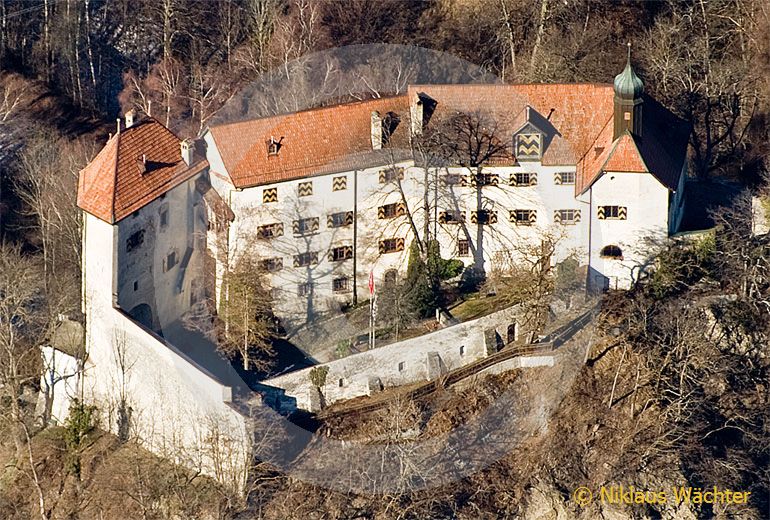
[(326, 197)]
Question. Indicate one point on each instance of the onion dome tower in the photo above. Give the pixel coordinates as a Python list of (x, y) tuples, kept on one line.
[(628, 101)]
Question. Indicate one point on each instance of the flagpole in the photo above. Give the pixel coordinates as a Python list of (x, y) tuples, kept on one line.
[(372, 308)]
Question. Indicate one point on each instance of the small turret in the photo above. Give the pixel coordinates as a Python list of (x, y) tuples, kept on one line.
[(628, 101)]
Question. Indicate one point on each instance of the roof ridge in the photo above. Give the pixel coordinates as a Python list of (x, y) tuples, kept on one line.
[(115, 175), (311, 109)]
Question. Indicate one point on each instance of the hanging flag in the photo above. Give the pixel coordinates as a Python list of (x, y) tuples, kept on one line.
[(371, 282)]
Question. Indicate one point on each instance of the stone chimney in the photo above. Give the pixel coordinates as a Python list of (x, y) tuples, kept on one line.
[(417, 116), (376, 131), (131, 117), (420, 111), (188, 150)]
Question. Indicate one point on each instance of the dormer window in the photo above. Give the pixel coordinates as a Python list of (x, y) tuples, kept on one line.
[(528, 146), (273, 146)]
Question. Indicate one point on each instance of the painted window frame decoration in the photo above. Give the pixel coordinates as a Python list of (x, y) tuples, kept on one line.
[(340, 183), (391, 245), (269, 231), (529, 146), (564, 178), (523, 217), (484, 217), (269, 195), (339, 219), (306, 259), (305, 189), (305, 226), (391, 175), (451, 216), (562, 216), (523, 179), (272, 265), (340, 253), (612, 212), (392, 210)]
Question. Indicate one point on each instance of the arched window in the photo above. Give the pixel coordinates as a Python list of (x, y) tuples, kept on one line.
[(611, 251), (390, 276)]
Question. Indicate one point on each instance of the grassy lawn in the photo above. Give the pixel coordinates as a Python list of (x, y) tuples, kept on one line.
[(475, 306)]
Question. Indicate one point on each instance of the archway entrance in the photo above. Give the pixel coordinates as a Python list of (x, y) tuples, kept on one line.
[(142, 313)]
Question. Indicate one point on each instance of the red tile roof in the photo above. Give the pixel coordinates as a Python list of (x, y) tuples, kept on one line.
[(576, 120), (575, 112), (661, 149), (625, 157), (321, 140), (113, 186)]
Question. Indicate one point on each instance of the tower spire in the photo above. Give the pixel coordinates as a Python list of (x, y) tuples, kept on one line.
[(628, 99)]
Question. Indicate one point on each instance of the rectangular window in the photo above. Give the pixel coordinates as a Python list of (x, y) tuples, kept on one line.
[(305, 226), (305, 259), (483, 216), (564, 178), (612, 213), (163, 217), (338, 254), (484, 179), (269, 195), (303, 289), (135, 240), (136, 285), (566, 217), (341, 284), (343, 218), (401, 366), (396, 209), (340, 183), (463, 248), (272, 265), (524, 179), (391, 245), (269, 231), (453, 179), (451, 217), (524, 217), (170, 261), (462, 350), (391, 175), (305, 189)]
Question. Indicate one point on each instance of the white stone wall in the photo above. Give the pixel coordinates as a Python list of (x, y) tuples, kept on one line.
[(398, 363), (500, 242), (60, 380), (639, 236), (143, 278), (654, 212), (175, 407)]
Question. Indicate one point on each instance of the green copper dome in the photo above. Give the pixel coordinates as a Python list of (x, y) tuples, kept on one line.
[(627, 83)]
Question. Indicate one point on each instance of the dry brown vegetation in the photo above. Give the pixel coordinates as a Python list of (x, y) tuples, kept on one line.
[(675, 388)]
